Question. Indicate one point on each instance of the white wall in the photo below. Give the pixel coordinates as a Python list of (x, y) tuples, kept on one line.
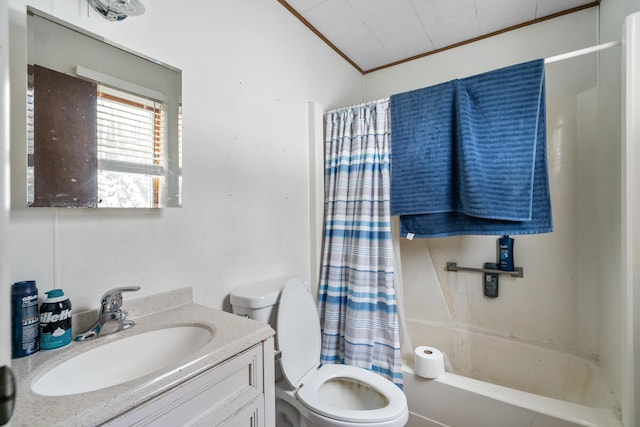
[(571, 295), (613, 15), (249, 69)]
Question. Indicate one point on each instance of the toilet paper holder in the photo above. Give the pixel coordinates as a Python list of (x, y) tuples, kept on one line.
[(518, 272)]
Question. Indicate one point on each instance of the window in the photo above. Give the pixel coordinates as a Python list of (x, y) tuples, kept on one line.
[(131, 136)]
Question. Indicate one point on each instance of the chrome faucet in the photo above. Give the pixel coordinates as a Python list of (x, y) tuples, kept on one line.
[(112, 317)]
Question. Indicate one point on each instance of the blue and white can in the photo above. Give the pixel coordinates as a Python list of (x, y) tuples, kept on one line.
[(24, 319)]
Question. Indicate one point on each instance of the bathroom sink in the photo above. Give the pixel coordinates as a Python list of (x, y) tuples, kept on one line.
[(122, 360)]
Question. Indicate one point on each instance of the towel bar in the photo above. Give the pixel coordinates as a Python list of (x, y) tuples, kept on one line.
[(518, 272)]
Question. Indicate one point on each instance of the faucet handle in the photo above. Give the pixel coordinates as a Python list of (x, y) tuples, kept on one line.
[(112, 299)]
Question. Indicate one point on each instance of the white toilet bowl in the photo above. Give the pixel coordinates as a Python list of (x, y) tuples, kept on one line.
[(327, 395)]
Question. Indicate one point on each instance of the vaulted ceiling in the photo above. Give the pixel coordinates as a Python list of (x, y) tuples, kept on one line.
[(373, 34)]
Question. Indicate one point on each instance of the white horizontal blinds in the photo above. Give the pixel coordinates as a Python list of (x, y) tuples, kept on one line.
[(131, 133)]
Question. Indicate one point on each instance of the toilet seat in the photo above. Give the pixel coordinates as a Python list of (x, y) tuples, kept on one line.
[(299, 339), (310, 394)]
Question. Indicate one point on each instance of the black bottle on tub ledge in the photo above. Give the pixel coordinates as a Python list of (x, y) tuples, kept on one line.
[(490, 282)]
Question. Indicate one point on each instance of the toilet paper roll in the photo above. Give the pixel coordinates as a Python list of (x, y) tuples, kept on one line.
[(429, 362)]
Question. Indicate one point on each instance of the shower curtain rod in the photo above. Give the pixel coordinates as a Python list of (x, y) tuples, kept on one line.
[(549, 60), (581, 52)]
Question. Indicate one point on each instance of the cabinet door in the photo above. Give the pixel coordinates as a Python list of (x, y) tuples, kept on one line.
[(251, 415), (218, 394)]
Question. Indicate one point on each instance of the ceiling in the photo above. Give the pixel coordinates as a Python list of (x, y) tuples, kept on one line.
[(373, 34)]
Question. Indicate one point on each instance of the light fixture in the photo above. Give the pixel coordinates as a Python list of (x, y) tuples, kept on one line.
[(117, 10)]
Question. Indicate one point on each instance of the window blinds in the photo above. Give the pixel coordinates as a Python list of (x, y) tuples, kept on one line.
[(131, 133)]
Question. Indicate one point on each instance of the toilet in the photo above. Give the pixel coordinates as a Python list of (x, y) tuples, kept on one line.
[(309, 394)]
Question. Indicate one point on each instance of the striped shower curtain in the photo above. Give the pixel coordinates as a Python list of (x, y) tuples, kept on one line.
[(356, 300)]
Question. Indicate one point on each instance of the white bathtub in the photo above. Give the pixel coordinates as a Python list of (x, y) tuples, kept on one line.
[(501, 382)]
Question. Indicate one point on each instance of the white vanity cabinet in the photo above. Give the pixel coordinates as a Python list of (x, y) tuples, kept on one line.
[(236, 392)]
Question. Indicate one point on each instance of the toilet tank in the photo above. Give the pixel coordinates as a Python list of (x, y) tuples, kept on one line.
[(258, 301)]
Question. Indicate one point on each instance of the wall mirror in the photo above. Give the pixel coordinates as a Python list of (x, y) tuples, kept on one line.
[(104, 124)]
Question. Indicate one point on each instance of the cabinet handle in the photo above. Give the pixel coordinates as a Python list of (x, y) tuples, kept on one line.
[(7, 394)]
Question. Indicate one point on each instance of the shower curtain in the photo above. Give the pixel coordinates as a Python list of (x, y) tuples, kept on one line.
[(356, 300)]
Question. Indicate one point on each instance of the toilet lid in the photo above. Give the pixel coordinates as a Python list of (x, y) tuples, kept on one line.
[(298, 332)]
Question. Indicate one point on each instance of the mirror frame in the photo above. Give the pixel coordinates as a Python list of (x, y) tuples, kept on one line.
[(125, 70)]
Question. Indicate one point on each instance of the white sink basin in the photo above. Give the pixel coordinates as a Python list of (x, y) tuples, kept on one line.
[(122, 360)]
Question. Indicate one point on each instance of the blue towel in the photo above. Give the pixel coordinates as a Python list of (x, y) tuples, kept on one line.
[(469, 156)]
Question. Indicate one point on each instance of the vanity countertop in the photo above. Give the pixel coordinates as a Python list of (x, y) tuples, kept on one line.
[(232, 335)]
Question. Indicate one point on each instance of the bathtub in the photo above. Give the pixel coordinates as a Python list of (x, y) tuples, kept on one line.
[(501, 382)]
